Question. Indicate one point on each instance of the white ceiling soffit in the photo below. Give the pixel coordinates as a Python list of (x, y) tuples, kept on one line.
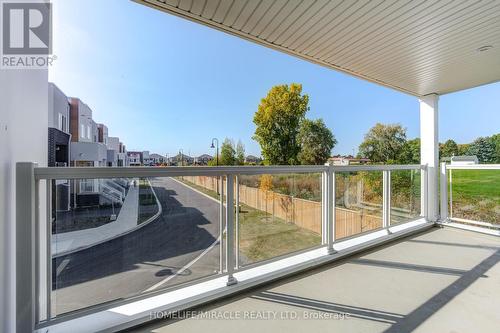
[(415, 46)]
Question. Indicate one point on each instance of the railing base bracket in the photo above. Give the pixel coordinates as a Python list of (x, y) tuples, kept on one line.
[(231, 281), (331, 251)]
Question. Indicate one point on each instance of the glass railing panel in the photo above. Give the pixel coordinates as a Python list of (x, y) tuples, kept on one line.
[(475, 195), (113, 239), (405, 196), (278, 214), (358, 202)]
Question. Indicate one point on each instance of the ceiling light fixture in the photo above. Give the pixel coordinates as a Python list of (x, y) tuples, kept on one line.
[(484, 48)]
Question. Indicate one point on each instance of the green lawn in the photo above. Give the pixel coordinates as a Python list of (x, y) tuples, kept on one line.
[(477, 183), (263, 236), (476, 195)]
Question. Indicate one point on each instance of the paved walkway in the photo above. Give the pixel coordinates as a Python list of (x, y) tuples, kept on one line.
[(126, 220)]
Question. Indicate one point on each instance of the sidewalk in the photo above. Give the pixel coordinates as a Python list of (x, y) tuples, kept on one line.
[(126, 220)]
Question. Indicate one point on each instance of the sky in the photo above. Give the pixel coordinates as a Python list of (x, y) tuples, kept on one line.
[(162, 83)]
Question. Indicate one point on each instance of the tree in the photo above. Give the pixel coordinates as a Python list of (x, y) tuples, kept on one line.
[(227, 153), (463, 149), (383, 143), (277, 123), (316, 142), (448, 149), (213, 161), (410, 154), (240, 153), (484, 149), (495, 139)]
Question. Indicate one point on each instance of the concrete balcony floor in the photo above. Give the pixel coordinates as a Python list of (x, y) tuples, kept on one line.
[(443, 280)]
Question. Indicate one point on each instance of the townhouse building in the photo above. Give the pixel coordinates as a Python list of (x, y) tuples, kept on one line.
[(157, 159), (122, 156), (134, 158), (146, 160), (59, 137), (113, 144), (203, 159)]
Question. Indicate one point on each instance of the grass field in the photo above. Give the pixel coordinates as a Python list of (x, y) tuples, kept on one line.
[(264, 236), (476, 195)]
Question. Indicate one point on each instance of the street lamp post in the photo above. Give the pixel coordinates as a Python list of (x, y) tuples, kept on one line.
[(216, 157), (217, 151)]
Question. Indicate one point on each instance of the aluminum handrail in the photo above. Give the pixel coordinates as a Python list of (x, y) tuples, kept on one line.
[(473, 167), (129, 172)]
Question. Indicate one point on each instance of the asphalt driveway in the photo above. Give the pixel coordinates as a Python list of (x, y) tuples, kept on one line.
[(152, 257)]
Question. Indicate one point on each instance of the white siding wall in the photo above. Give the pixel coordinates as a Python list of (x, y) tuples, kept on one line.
[(23, 137), (58, 105), (85, 123)]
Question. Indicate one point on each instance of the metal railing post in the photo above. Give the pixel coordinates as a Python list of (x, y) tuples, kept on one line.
[(48, 250), (450, 212), (330, 196), (230, 230), (386, 200), (324, 216), (425, 203), (237, 223), (444, 193), (26, 241), (221, 224)]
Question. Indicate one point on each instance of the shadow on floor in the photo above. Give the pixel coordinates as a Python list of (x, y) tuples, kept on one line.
[(398, 322)]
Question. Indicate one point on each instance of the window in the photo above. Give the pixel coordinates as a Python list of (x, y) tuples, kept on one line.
[(62, 123), (88, 132), (82, 131)]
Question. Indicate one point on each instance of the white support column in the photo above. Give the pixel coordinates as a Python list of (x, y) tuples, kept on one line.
[(23, 138), (429, 153)]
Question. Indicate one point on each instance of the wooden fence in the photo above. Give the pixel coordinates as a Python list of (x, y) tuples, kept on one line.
[(303, 213)]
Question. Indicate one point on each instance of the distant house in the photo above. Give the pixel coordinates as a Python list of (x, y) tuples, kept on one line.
[(182, 159), (156, 159), (134, 158), (250, 159), (146, 160), (347, 160), (113, 144), (464, 160), (122, 155), (202, 159)]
